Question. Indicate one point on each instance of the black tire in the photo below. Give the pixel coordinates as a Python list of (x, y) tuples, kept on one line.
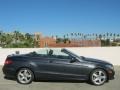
[(29, 73), (100, 79)]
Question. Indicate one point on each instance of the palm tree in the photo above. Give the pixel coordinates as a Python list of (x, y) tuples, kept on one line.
[(104, 36), (114, 36), (52, 36), (16, 35), (0, 36), (111, 35), (107, 34), (100, 36), (56, 36), (93, 35), (71, 36), (84, 37), (64, 37), (118, 36), (88, 36), (1, 32), (8, 39), (3, 40), (29, 40), (96, 36), (27, 36), (75, 35), (22, 37), (80, 35), (67, 36)]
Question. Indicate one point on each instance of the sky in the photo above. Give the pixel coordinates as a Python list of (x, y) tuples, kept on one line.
[(57, 17)]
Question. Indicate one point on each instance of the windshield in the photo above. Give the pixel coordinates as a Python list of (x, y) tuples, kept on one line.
[(72, 54)]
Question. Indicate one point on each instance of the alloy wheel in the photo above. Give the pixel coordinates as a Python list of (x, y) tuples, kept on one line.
[(24, 76), (98, 77)]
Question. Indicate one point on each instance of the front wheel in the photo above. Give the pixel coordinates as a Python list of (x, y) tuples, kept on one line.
[(25, 76), (98, 77)]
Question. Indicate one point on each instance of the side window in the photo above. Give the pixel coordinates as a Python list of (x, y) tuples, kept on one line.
[(52, 53), (42, 52), (60, 55)]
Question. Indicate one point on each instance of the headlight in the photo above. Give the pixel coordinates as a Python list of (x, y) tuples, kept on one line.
[(110, 66)]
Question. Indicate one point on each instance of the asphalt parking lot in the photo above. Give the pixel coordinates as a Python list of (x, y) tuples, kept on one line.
[(51, 85)]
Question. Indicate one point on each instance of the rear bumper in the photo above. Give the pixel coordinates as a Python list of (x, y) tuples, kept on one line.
[(9, 71)]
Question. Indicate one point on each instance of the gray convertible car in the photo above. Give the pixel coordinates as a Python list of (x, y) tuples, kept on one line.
[(56, 64)]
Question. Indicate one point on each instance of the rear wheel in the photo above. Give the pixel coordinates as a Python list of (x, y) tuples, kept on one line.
[(25, 76), (98, 77)]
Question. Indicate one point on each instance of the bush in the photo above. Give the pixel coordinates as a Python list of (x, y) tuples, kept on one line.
[(114, 44)]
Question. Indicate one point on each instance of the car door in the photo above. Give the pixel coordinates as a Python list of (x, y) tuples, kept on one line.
[(59, 66), (48, 66), (64, 68)]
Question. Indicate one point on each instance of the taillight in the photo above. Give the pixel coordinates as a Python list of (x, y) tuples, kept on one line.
[(8, 61)]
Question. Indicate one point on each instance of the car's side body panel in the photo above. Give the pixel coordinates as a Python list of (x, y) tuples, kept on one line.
[(50, 68), (61, 69)]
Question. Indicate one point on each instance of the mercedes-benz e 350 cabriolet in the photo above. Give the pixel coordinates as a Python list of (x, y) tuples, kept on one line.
[(56, 64)]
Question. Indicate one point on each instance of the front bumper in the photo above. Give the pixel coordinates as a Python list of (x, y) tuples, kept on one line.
[(111, 74)]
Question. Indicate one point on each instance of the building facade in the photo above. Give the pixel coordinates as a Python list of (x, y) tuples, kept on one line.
[(52, 42)]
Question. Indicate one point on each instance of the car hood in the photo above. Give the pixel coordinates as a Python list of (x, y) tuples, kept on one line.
[(97, 61)]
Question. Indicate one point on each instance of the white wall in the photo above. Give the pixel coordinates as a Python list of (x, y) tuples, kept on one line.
[(110, 54)]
